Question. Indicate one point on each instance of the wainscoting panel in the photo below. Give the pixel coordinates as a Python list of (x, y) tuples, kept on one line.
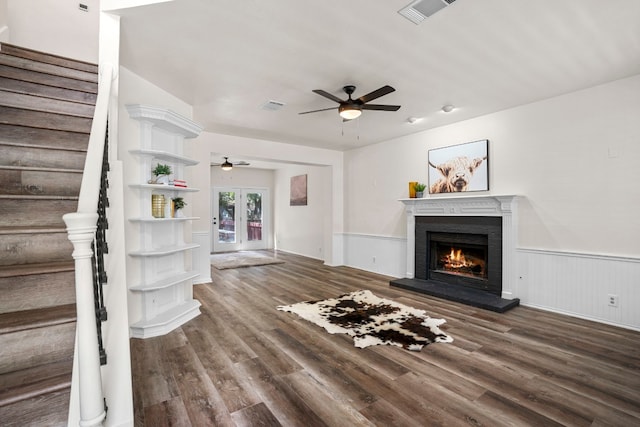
[(379, 254), (580, 285), (201, 260)]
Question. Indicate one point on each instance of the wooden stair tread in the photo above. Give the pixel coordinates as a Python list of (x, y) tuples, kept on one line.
[(46, 91), (28, 383), (44, 120), (37, 197), (41, 146), (38, 268), (25, 101), (37, 318), (49, 58), (39, 169), (32, 229), (40, 137), (48, 79), (45, 68)]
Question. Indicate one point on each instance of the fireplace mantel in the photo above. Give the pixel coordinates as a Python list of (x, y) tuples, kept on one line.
[(501, 206)]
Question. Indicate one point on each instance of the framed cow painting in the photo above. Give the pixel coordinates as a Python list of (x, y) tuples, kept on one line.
[(459, 168)]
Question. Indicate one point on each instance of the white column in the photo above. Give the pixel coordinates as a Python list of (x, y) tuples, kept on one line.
[(508, 207), (411, 243), (81, 229)]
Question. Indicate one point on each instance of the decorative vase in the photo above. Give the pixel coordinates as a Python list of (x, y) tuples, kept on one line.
[(157, 205), (412, 189), (162, 179)]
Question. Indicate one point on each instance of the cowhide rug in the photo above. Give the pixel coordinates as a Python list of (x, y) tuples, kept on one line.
[(371, 320)]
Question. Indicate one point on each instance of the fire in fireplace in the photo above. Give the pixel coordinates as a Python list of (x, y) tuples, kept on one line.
[(466, 263), (461, 251), (459, 254)]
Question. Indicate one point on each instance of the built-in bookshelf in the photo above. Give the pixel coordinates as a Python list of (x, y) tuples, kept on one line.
[(161, 262)]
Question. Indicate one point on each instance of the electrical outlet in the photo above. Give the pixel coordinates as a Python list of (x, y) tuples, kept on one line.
[(612, 300)]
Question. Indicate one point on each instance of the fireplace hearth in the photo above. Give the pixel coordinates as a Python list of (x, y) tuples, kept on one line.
[(456, 256)]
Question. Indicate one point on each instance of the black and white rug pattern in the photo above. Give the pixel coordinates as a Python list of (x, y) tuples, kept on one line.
[(371, 320)]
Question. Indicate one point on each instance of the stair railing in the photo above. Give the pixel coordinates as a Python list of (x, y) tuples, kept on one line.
[(85, 229)]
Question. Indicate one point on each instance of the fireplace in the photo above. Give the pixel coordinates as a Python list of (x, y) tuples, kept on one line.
[(460, 251), (463, 249)]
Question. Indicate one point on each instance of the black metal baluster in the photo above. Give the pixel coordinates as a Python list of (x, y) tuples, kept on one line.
[(99, 249)]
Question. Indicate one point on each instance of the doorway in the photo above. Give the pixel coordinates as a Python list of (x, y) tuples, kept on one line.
[(240, 219)]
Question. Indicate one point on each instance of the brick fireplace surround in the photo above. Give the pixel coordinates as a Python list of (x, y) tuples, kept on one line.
[(466, 206)]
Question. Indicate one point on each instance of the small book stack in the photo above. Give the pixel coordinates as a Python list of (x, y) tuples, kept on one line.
[(180, 183)]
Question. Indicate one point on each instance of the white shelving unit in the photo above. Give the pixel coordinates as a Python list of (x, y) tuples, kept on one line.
[(164, 282)]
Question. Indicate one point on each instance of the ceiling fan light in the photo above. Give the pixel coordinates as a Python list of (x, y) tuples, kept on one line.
[(226, 166), (349, 112)]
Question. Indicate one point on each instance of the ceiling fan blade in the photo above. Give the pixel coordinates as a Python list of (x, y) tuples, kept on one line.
[(384, 90), (316, 111), (328, 95), (241, 163), (380, 107)]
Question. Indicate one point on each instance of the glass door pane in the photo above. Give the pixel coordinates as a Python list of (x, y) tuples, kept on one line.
[(254, 216), (227, 217)]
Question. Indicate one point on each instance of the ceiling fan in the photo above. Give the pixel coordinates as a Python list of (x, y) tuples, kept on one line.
[(227, 165), (350, 109)]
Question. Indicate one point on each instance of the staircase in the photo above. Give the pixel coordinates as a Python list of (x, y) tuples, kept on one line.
[(46, 108)]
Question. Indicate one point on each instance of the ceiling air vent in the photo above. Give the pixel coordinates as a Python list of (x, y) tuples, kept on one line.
[(419, 10), (272, 105)]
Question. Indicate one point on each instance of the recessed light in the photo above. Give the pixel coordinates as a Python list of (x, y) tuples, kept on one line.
[(413, 120), (448, 108)]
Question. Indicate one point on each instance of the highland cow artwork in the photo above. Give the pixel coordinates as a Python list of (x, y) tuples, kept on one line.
[(459, 168)]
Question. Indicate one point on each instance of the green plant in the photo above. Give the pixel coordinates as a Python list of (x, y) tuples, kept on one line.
[(161, 169), (178, 203), (419, 187)]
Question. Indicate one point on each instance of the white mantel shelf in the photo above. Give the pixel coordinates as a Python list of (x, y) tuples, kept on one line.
[(467, 205), (504, 206)]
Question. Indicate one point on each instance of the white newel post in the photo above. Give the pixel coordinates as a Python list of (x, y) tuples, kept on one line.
[(81, 229)]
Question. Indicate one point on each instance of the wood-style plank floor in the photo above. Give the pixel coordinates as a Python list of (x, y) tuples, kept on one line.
[(244, 363)]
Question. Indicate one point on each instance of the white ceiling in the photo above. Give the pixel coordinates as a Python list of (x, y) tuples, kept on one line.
[(228, 57)]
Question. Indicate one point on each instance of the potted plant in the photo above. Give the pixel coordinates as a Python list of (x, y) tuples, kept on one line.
[(161, 173), (177, 203), (419, 187)]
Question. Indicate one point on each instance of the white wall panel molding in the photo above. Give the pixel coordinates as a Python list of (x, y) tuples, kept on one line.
[(379, 254), (580, 285)]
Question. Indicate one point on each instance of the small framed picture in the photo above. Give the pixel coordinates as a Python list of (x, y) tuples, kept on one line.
[(298, 191), (459, 168)]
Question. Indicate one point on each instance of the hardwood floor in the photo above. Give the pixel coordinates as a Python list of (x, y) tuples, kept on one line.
[(244, 363)]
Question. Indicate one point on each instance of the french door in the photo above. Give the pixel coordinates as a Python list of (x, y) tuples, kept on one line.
[(239, 219)]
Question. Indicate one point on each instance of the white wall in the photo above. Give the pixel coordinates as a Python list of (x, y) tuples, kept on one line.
[(54, 26), (573, 158), (302, 229)]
